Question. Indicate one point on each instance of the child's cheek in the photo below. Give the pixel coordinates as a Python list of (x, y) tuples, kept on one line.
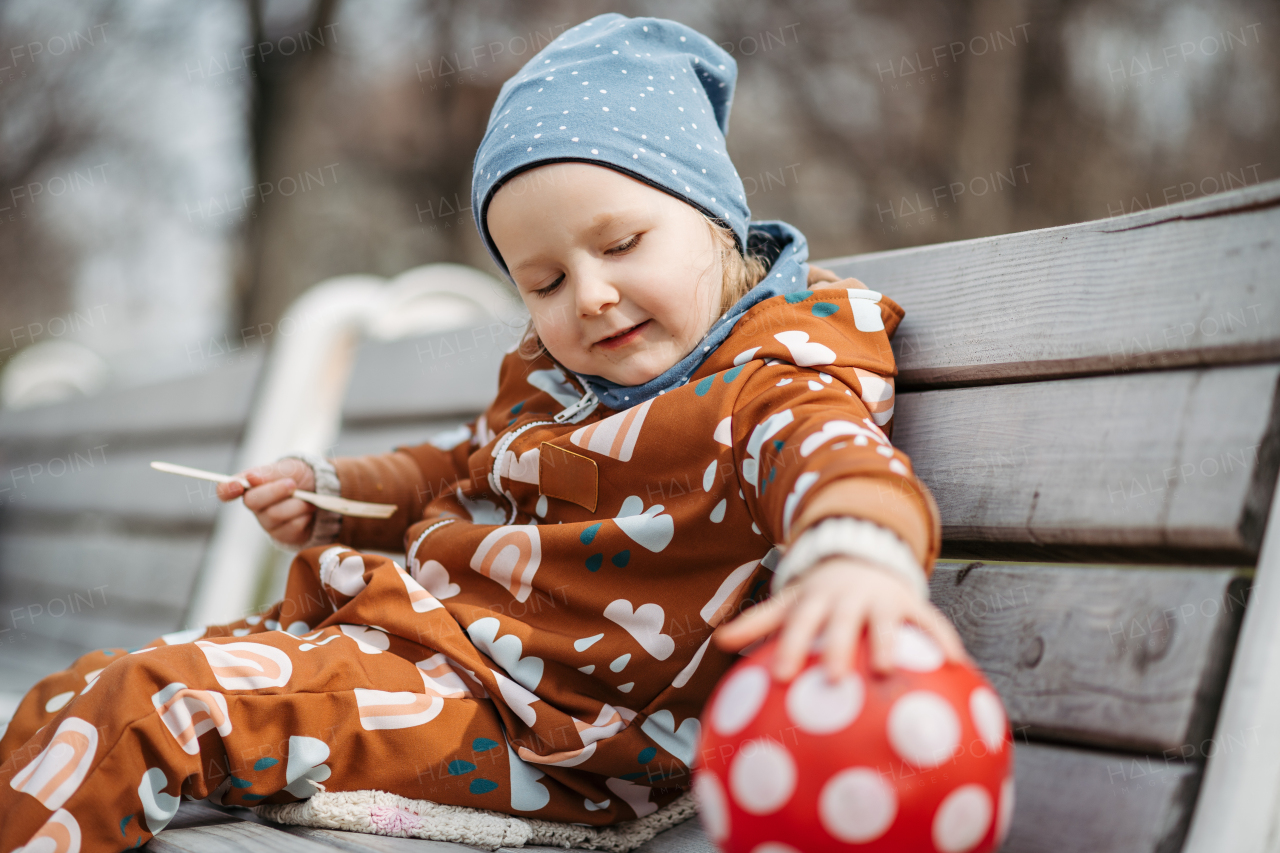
[(553, 325)]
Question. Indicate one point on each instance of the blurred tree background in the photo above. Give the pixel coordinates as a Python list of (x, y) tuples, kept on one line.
[(172, 174)]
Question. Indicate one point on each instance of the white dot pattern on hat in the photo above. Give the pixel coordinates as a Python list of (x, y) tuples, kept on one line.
[(575, 68), (762, 776), (923, 728), (962, 820), (857, 805)]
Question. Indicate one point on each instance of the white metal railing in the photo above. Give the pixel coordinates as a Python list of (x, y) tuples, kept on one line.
[(298, 402)]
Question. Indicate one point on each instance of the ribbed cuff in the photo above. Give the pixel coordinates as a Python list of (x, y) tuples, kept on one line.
[(856, 538), (327, 524)]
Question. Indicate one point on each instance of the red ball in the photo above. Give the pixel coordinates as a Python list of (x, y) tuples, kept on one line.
[(916, 760)]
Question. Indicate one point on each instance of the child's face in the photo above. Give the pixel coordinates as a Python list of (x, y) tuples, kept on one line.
[(622, 280)]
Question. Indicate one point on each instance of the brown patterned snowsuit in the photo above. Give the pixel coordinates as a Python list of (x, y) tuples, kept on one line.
[(547, 651)]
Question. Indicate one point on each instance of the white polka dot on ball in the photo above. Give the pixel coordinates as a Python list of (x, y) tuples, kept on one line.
[(740, 698), (857, 805), (962, 820), (712, 806), (762, 777), (820, 707), (988, 717), (774, 847), (923, 728), (915, 650), (1004, 811)]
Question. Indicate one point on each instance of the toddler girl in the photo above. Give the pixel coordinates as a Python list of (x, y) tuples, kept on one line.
[(687, 427)]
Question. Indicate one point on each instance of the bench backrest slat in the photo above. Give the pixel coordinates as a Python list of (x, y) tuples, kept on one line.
[(1170, 466), (1193, 283), (215, 403), (1127, 658)]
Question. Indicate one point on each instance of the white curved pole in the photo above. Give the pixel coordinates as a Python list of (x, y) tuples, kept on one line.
[(298, 402)]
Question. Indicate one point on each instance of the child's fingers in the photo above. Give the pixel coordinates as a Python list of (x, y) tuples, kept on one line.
[(261, 497), (940, 628), (803, 623), (884, 635), (285, 512), (293, 532), (229, 491), (841, 643), (755, 623)]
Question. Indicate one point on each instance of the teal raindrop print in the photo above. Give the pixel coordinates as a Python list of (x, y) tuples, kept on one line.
[(704, 386), (124, 822), (621, 559), (460, 767), (264, 763), (798, 296), (515, 410), (252, 796), (483, 744), (647, 754), (730, 375), (240, 783), (594, 562), (482, 786), (824, 309), (590, 533)]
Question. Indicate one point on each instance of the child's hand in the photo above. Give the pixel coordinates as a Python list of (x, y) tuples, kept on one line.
[(287, 519), (841, 595)]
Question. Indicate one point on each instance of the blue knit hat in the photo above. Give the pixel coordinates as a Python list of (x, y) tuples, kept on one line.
[(650, 98)]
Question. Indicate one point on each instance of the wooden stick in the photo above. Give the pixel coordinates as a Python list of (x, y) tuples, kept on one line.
[(342, 506)]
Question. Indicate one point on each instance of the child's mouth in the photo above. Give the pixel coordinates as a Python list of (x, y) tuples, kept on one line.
[(624, 337)]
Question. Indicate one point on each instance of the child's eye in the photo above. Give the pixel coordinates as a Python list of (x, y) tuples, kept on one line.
[(626, 246), (550, 288)]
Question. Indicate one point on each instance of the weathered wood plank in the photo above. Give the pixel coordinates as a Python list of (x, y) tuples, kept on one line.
[(193, 813), (433, 376), (109, 568), (1174, 466), (1079, 801), (120, 482), (1189, 284), (214, 403), (358, 441), (1129, 658), (233, 837)]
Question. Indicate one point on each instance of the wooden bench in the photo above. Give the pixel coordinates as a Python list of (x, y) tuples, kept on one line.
[(1094, 406)]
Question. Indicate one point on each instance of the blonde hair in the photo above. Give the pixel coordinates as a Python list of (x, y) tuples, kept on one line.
[(740, 274)]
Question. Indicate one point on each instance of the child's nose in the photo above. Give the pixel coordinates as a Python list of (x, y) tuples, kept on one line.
[(595, 295)]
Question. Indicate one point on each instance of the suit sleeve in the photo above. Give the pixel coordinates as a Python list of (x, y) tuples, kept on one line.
[(798, 430), (409, 477)]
